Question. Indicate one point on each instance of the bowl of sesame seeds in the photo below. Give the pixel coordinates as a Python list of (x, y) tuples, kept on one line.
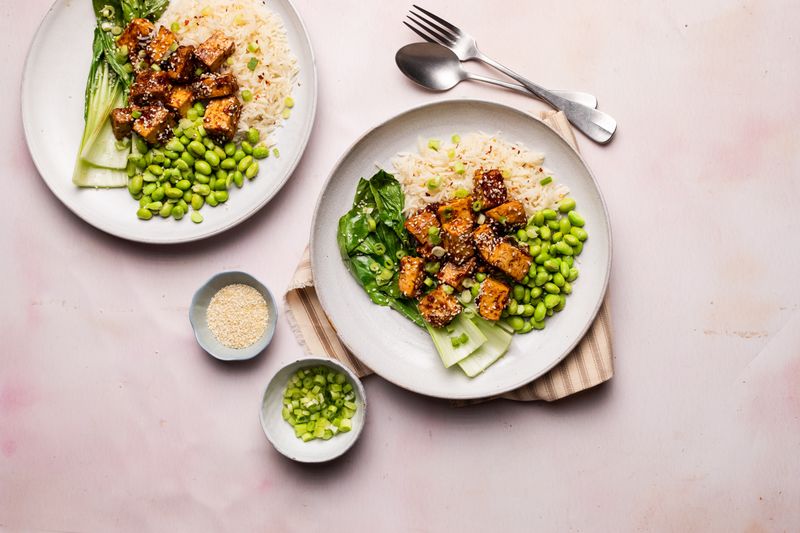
[(233, 316)]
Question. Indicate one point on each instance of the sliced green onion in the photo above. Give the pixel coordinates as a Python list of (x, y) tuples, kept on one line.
[(477, 205), (434, 144), (247, 95), (433, 183), (451, 154), (174, 27), (288, 102), (374, 268), (447, 289), (275, 152), (458, 167), (545, 181), (252, 47), (432, 268), (428, 282), (462, 193), (456, 139), (252, 64), (317, 404), (380, 248), (136, 113), (400, 254), (286, 113)]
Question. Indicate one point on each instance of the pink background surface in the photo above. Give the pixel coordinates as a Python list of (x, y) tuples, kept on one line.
[(112, 418)]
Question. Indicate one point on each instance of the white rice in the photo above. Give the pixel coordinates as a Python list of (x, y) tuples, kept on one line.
[(478, 151), (245, 21)]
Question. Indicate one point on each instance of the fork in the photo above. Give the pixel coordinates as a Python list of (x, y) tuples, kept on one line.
[(596, 125)]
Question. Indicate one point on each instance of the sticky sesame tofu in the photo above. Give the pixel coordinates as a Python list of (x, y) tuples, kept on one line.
[(151, 87), (215, 86), (490, 189), (180, 100), (454, 274), (492, 298), (439, 308), (135, 34), (222, 117), (180, 64), (510, 214), (411, 275), (214, 50), (511, 260), (155, 124), (485, 241), (457, 221), (160, 46), (419, 224), (121, 122)]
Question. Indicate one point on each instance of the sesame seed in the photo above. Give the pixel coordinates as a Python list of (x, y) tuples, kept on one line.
[(237, 315)]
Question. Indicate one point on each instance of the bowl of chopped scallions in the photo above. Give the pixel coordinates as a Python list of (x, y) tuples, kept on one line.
[(313, 410)]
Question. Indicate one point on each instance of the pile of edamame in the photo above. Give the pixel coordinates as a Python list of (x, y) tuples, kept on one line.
[(190, 170), (554, 239)]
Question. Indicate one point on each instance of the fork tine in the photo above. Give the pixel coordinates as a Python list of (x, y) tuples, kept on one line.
[(440, 20), (415, 30), (432, 25), (437, 35)]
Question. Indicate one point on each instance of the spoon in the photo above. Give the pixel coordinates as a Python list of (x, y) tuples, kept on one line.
[(435, 67)]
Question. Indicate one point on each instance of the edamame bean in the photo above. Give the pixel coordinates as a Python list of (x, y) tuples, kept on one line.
[(144, 213), (553, 225), (519, 292), (221, 196), (253, 136), (178, 211), (526, 328), (238, 179), (475, 290), (212, 200), (567, 288), (187, 196), (579, 233), (181, 165), (575, 219), (535, 250), (188, 158), (230, 149), (562, 301), (569, 260), (244, 163), (196, 217), (578, 249), (173, 193), (551, 300), (512, 307), (184, 185), (238, 155), (564, 248), (175, 146), (135, 184), (515, 322), (571, 239), (549, 214), (551, 288), (158, 194), (247, 148), (201, 178), (252, 170), (564, 269), (211, 158), (536, 292), (139, 144), (539, 312), (573, 274), (564, 226), (260, 151), (528, 310), (545, 233), (541, 278), (220, 153), (228, 163), (154, 206), (551, 265), (538, 218), (558, 280), (221, 184), (538, 325), (566, 205), (197, 202), (557, 236), (201, 189), (208, 143), (197, 148), (166, 210), (521, 235), (202, 167), (531, 233)]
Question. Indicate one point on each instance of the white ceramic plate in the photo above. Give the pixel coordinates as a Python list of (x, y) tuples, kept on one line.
[(53, 85), (393, 346)]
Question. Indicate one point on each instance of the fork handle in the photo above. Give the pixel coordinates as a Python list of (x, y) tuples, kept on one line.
[(596, 125), (576, 96)]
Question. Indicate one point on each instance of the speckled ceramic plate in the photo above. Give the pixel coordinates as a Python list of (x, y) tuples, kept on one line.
[(53, 120), (393, 346)]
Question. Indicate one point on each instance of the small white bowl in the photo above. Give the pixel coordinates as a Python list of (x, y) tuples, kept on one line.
[(206, 339), (281, 434)]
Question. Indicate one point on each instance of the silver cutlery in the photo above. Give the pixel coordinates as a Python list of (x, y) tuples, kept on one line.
[(438, 68), (596, 125)]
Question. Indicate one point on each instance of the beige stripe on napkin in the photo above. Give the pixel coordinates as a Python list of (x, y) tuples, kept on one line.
[(589, 364)]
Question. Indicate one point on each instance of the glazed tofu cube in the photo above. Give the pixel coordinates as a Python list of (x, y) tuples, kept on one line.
[(121, 122), (215, 86), (180, 100), (457, 240), (214, 50), (160, 46), (490, 189), (439, 308), (454, 274), (485, 241), (150, 88), (511, 260), (492, 298), (510, 214), (411, 275), (222, 117), (180, 64), (419, 224), (456, 210), (155, 124), (135, 34)]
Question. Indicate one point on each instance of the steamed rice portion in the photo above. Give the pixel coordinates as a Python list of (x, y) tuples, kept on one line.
[(521, 169), (246, 22)]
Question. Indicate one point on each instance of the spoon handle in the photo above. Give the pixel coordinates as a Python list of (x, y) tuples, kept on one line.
[(596, 125), (575, 96)]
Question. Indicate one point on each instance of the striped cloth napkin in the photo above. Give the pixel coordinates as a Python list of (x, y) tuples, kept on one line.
[(589, 364)]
